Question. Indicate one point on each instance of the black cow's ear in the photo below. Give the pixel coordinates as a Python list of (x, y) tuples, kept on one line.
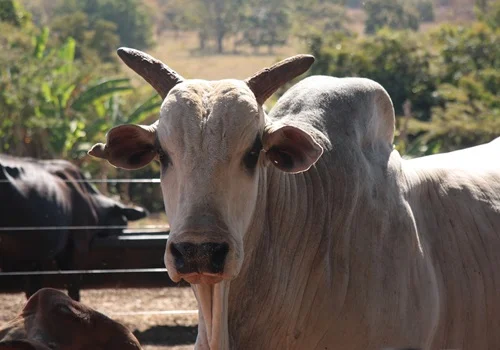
[(128, 146), (290, 148)]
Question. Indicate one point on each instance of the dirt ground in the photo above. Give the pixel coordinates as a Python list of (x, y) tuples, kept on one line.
[(155, 332)]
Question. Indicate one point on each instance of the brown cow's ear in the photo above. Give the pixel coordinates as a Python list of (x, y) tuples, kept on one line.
[(265, 82), (128, 146), (290, 149)]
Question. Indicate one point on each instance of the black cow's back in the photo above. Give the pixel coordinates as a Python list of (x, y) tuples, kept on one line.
[(30, 196)]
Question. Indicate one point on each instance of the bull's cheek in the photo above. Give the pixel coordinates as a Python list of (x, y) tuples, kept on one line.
[(241, 211)]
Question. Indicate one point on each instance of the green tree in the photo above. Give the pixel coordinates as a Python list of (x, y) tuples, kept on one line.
[(399, 61), (470, 115), (213, 19), (131, 17), (97, 40), (47, 99), (319, 18), (469, 108), (265, 23), (425, 10), (11, 11), (389, 13), (467, 50), (489, 13)]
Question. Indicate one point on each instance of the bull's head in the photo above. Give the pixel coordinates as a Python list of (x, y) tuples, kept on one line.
[(213, 141)]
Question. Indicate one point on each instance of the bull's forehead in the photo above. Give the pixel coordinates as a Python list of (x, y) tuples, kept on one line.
[(218, 117)]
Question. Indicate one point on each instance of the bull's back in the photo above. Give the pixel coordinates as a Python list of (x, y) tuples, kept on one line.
[(455, 199)]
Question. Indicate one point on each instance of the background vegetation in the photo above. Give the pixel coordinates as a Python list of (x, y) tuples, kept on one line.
[(62, 87)]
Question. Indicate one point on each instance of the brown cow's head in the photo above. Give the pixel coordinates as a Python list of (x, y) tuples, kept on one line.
[(52, 320), (212, 140)]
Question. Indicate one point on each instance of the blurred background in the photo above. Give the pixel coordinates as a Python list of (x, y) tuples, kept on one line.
[(62, 86)]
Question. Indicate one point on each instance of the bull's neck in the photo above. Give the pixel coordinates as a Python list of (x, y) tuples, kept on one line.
[(288, 249), (314, 240), (299, 216)]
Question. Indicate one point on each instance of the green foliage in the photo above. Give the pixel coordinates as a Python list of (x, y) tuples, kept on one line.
[(469, 109), (100, 39), (389, 13), (215, 19), (353, 3), (397, 60), (470, 116), (131, 18), (249, 22), (11, 11), (450, 76), (51, 104), (490, 14), (265, 23), (425, 10), (315, 19), (467, 49)]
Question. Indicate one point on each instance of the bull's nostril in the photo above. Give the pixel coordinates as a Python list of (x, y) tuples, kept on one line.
[(178, 258), (217, 253), (199, 258), (185, 256)]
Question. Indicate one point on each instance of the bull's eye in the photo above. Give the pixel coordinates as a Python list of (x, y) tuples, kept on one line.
[(163, 158), (252, 156)]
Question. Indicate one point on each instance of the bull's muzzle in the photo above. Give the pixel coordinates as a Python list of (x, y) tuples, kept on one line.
[(200, 262)]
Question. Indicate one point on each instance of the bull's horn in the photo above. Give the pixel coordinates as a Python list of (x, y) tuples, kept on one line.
[(265, 82), (161, 77)]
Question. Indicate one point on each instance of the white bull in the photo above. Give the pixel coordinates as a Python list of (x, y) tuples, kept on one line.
[(304, 229)]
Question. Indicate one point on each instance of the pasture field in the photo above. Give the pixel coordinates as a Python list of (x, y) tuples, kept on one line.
[(180, 50), (155, 332)]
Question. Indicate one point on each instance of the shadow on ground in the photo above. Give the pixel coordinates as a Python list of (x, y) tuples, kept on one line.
[(167, 335)]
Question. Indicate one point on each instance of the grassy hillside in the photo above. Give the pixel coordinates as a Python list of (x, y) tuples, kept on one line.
[(181, 54)]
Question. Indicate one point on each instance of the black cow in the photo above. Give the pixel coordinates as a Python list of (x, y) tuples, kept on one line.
[(52, 193)]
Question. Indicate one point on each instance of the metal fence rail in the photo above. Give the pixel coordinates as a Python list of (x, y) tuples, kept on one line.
[(55, 228), (152, 312), (156, 181), (123, 261), (133, 259)]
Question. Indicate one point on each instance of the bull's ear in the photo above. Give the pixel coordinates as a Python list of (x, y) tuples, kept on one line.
[(290, 148), (265, 82), (128, 146)]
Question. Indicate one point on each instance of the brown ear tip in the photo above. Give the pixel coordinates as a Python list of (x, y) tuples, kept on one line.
[(98, 150)]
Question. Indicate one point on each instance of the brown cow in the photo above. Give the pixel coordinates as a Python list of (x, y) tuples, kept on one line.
[(52, 320)]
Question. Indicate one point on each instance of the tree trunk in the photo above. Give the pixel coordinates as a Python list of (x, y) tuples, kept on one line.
[(202, 38), (220, 42), (270, 49)]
